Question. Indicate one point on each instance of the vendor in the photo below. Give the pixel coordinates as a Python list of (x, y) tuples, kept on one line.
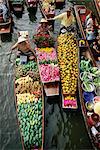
[(91, 28), (44, 27), (67, 19), (24, 48)]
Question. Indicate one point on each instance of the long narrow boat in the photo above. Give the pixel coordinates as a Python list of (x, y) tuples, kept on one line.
[(29, 101), (47, 63), (68, 63), (32, 5), (88, 94), (97, 5), (81, 12), (87, 65), (5, 27)]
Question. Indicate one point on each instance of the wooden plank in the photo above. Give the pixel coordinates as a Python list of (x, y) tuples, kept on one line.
[(51, 89)]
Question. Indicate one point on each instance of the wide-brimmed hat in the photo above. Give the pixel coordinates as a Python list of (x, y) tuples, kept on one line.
[(21, 39), (43, 20)]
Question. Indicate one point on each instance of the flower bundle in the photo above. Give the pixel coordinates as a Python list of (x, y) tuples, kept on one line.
[(43, 40), (49, 72), (47, 56), (70, 102)]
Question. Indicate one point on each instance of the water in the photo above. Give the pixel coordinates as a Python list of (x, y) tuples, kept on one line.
[(64, 130)]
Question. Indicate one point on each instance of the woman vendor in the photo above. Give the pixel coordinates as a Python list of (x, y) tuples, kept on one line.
[(24, 48), (44, 27), (67, 19)]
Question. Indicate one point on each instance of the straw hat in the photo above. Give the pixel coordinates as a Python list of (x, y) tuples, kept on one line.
[(21, 39), (97, 108), (43, 20)]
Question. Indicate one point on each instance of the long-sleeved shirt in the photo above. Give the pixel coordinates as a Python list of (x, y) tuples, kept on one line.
[(65, 21)]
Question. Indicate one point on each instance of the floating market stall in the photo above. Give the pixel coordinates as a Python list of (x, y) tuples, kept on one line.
[(47, 10), (29, 103), (81, 12), (47, 63), (6, 25), (89, 93), (68, 64)]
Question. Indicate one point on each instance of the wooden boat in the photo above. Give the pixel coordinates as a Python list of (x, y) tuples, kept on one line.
[(47, 14), (30, 100), (17, 6), (81, 12), (31, 5), (86, 53), (97, 5), (6, 27), (68, 64)]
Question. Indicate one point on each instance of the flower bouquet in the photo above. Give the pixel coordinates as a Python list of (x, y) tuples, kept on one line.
[(70, 102), (43, 40), (49, 72)]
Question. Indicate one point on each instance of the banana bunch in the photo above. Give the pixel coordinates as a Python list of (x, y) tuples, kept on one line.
[(25, 98), (23, 85), (68, 62)]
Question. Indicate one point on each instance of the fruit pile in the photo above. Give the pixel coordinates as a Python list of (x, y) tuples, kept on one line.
[(68, 63), (29, 103), (30, 118), (27, 69)]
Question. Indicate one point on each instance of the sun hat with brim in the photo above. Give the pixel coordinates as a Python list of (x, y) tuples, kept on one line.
[(43, 20), (21, 39)]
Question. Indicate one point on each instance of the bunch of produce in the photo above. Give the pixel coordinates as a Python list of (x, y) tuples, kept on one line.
[(90, 76), (30, 119), (29, 104), (26, 85), (43, 40), (44, 55), (49, 72), (70, 101), (30, 69), (68, 63), (48, 65), (25, 98)]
